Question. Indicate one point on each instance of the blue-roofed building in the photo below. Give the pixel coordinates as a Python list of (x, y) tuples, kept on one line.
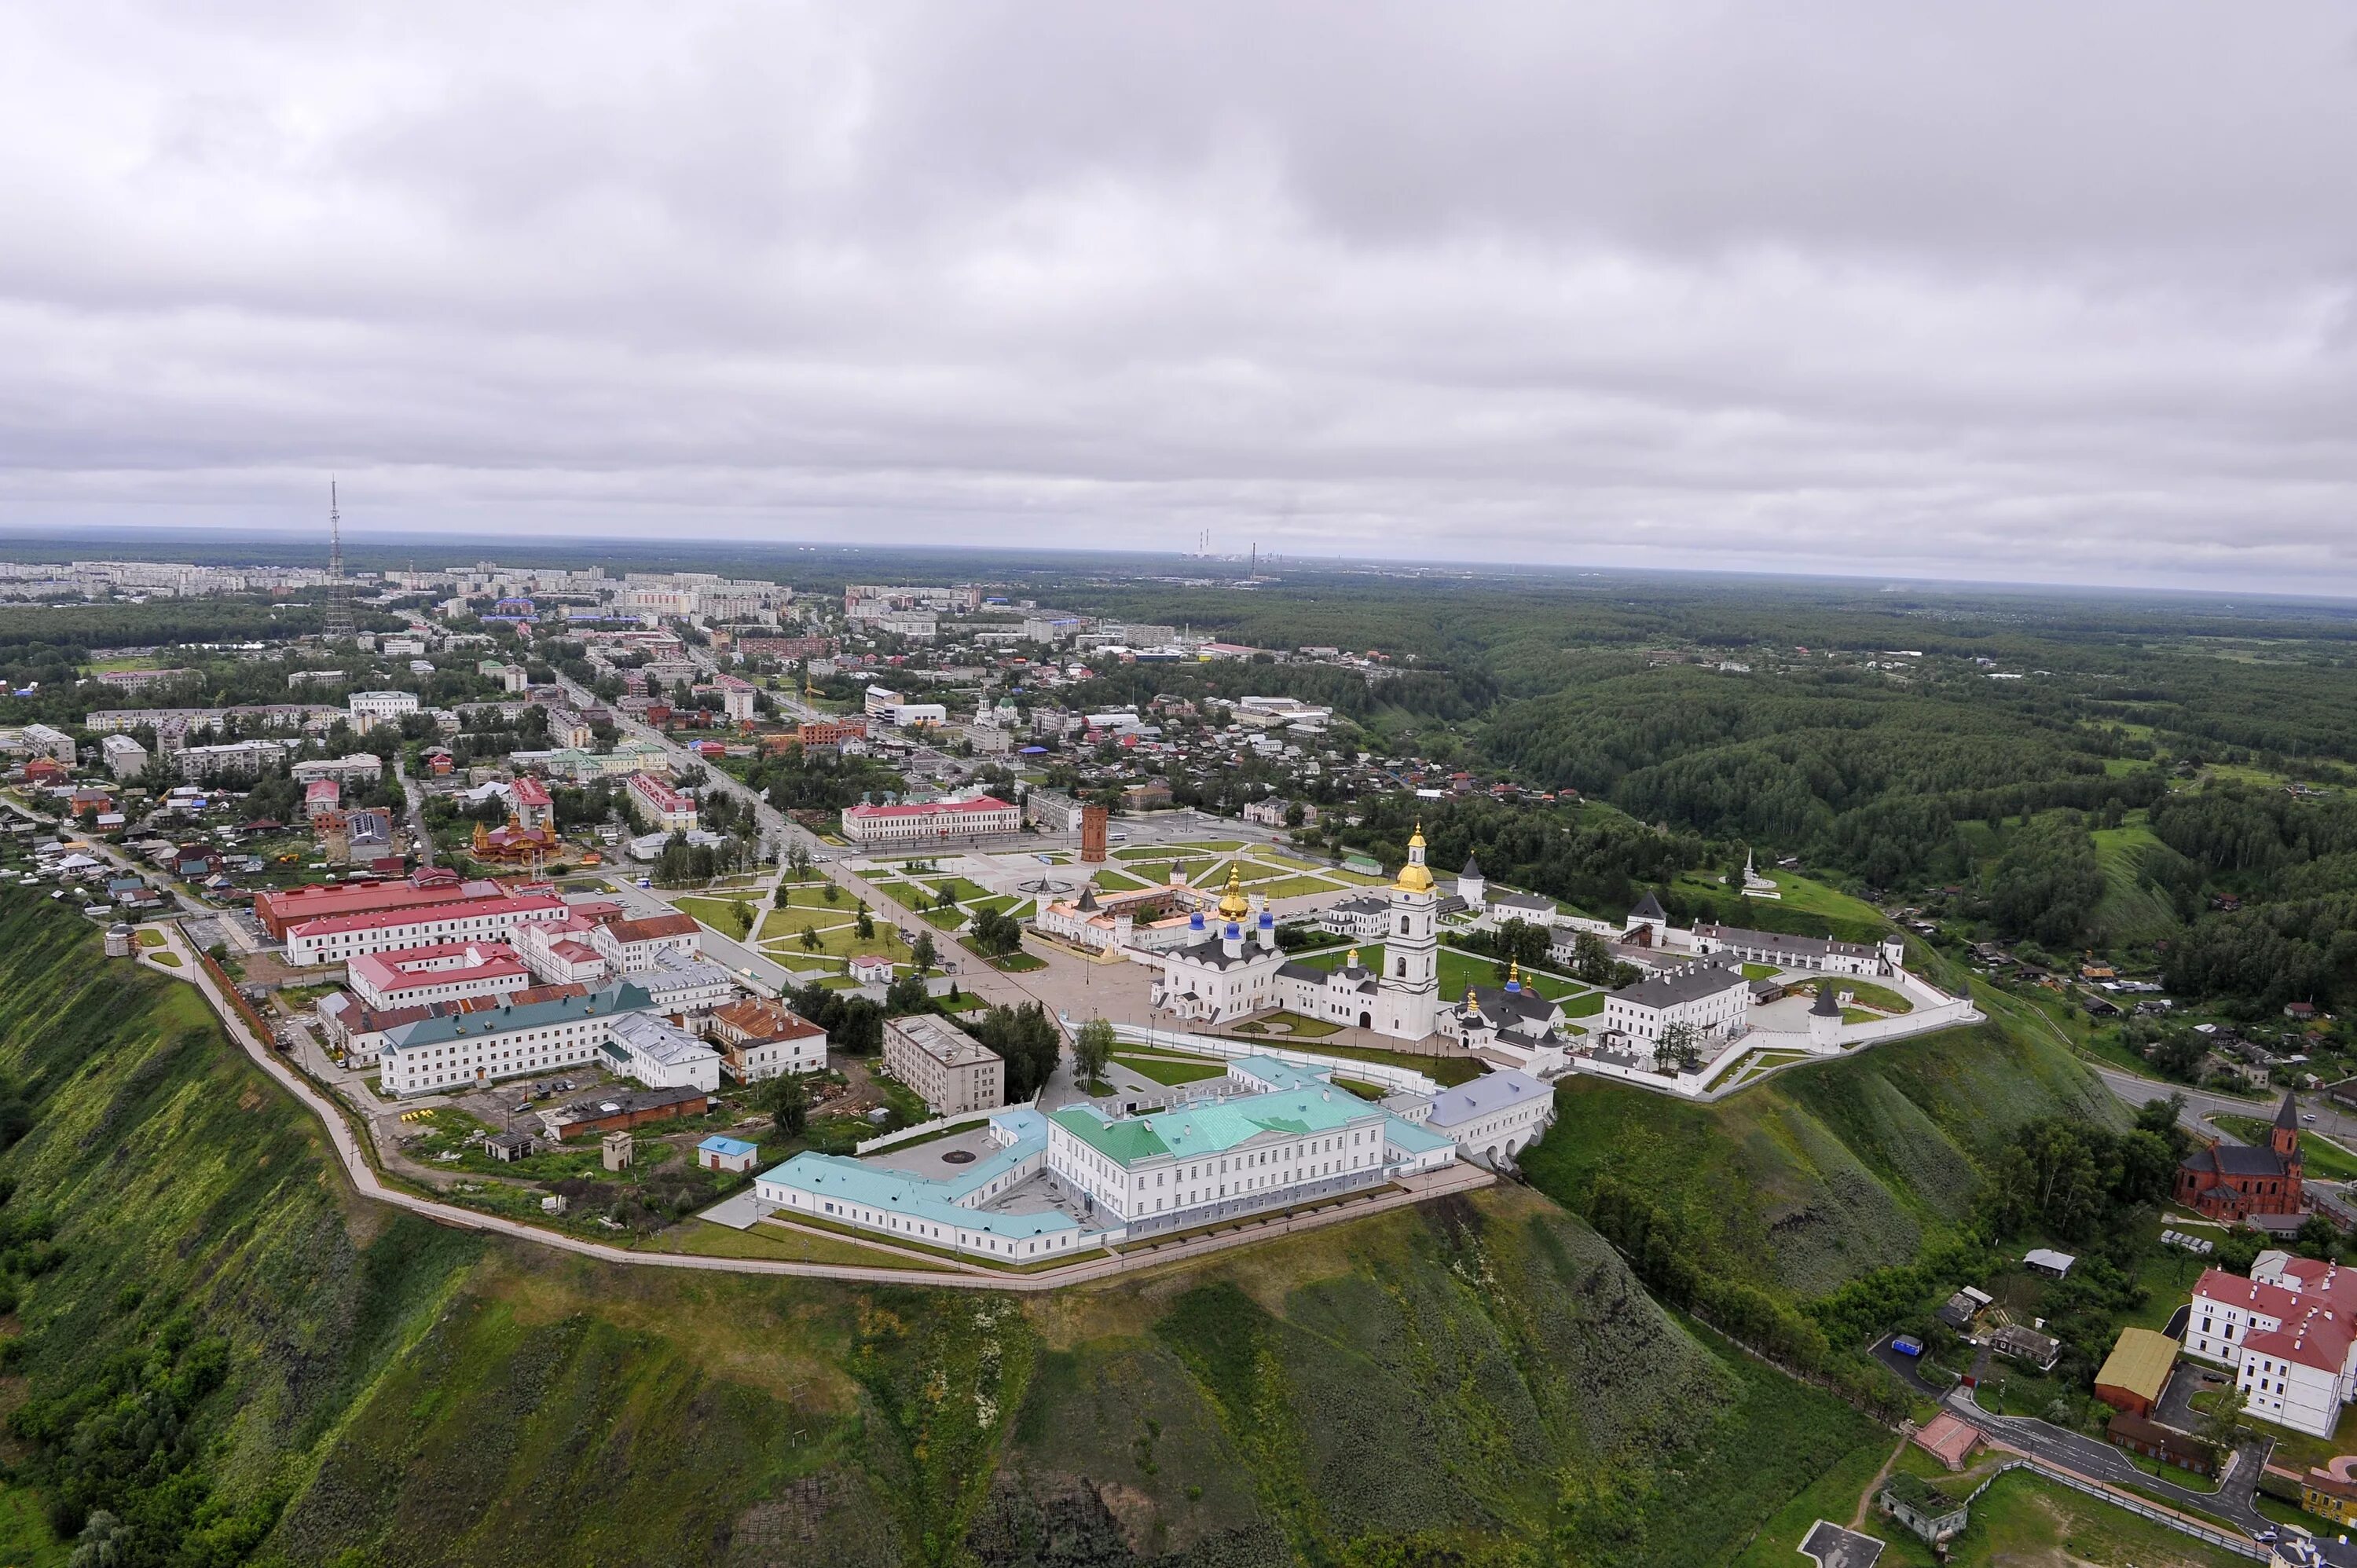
[(1491, 1118), (936, 1211), (1292, 1137), (731, 1155)]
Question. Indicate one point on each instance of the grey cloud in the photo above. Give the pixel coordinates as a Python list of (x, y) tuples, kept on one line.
[(2000, 290)]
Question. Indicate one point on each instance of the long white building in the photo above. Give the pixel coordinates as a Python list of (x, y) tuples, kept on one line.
[(1298, 1139), (447, 972), (456, 1050), (930, 822), (1711, 998), (338, 939)]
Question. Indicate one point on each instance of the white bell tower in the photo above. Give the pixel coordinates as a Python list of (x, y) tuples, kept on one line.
[(1409, 990)]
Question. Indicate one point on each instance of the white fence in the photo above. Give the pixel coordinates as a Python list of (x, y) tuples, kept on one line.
[(2222, 1541), (938, 1125), (1407, 1080)]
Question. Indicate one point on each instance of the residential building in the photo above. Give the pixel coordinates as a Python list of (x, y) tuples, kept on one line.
[(282, 910), (762, 1038), (1712, 999), (670, 811), (1819, 955), (452, 1051), (2287, 1332), (949, 1070), (637, 944), (370, 709), (124, 757), (338, 939), (536, 812), (231, 759), (322, 798), (981, 816), (412, 977), (659, 1054), (356, 772), (43, 740), (1052, 811)]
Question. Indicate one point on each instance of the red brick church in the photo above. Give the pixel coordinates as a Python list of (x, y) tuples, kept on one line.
[(2234, 1181)]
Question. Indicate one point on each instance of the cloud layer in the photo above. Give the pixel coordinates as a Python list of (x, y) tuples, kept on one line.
[(1995, 291)]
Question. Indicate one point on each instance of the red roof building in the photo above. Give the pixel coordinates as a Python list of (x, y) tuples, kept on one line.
[(281, 911), (2233, 1181)]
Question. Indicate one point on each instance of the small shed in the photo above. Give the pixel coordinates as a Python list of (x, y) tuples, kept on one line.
[(1923, 1507), (618, 1149), (731, 1155), (120, 942), (509, 1148), (870, 971), (2048, 1262)]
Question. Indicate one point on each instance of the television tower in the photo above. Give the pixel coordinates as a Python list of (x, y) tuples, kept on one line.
[(336, 606)]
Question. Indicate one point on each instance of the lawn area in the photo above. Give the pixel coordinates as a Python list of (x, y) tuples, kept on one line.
[(1295, 1026), (1165, 851), (1004, 904), (169, 959), (151, 937), (1459, 969), (1108, 880), (1291, 886), (841, 941), (1760, 972), (1169, 1071), (942, 919), (959, 887), (728, 917), (2022, 1518), (2319, 1155), (702, 1239), (1357, 878), (812, 896), (1584, 1007), (1866, 994), (908, 894), (1816, 898)]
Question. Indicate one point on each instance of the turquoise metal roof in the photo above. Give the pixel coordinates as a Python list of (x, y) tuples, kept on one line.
[(842, 1180), (729, 1146), (448, 1026), (1214, 1126)]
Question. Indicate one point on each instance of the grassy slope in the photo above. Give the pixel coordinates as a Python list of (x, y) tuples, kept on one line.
[(2131, 912), (1484, 1370), (1822, 1173)]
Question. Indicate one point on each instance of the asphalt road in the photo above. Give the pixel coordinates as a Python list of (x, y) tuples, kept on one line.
[(2092, 1457)]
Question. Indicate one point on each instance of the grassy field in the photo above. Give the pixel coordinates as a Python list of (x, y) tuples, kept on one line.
[(1816, 898), (1868, 994), (730, 918), (1168, 1071)]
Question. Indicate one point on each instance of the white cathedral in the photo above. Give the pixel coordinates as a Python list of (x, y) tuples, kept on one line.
[(1223, 975)]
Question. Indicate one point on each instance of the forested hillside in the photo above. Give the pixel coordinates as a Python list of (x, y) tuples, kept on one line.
[(215, 1357)]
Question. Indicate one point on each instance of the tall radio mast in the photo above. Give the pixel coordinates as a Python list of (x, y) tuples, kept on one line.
[(335, 618)]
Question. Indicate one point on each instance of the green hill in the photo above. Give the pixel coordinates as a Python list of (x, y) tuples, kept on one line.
[(2134, 912), (218, 1356), (1823, 1173)]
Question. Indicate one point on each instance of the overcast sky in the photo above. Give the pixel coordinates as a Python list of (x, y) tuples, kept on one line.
[(2036, 291)]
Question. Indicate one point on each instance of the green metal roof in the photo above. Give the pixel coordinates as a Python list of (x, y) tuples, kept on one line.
[(1212, 1127)]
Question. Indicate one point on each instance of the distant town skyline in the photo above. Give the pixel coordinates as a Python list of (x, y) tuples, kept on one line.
[(1998, 295)]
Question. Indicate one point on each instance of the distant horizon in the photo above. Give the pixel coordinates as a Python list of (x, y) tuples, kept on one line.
[(150, 541)]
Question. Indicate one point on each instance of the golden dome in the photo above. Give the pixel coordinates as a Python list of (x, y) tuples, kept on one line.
[(1413, 876), (1234, 905), (1472, 1002), (1350, 958), (1514, 974)]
